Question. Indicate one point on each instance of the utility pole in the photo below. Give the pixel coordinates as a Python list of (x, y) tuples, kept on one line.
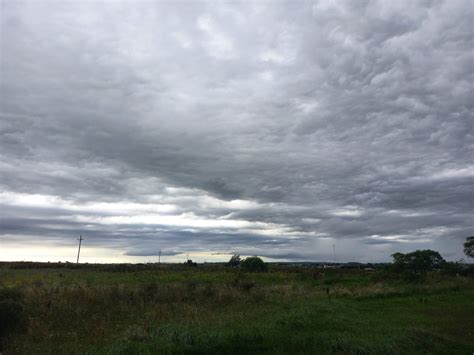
[(334, 251), (159, 257), (80, 239)]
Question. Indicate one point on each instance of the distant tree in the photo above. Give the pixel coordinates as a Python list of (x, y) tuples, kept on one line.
[(254, 264), (189, 262), (469, 247), (418, 262), (234, 261)]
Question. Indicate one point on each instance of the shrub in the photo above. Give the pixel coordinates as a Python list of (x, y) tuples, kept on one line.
[(189, 262), (254, 264), (416, 264), (234, 261), (12, 315), (458, 269), (469, 247)]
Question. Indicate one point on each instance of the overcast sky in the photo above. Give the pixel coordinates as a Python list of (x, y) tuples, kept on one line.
[(265, 128)]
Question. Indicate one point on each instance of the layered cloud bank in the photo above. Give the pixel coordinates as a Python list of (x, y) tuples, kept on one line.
[(268, 128)]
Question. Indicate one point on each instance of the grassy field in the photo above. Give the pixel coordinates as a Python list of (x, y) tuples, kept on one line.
[(214, 309)]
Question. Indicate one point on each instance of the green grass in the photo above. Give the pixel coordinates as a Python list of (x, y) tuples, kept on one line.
[(212, 309)]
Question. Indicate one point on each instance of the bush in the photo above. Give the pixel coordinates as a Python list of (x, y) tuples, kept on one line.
[(469, 247), (189, 262), (458, 269), (415, 265), (12, 315), (254, 264), (234, 261)]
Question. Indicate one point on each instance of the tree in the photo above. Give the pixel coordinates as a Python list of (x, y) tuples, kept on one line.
[(189, 262), (469, 247), (254, 264), (418, 262), (234, 261)]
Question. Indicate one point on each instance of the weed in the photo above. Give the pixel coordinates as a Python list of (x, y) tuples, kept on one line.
[(214, 309)]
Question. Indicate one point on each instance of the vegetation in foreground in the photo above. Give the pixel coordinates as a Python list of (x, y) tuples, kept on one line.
[(215, 308)]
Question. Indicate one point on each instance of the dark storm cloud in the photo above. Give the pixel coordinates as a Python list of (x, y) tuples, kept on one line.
[(253, 127)]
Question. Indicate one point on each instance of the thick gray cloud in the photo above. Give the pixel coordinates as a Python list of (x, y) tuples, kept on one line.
[(269, 128)]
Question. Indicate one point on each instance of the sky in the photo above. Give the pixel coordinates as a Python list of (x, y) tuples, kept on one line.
[(283, 129)]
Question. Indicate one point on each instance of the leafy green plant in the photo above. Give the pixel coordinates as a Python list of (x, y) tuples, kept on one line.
[(416, 264), (254, 264), (234, 261), (189, 262), (12, 315), (469, 247)]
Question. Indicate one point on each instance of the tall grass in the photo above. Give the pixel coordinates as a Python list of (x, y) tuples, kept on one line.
[(175, 310)]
